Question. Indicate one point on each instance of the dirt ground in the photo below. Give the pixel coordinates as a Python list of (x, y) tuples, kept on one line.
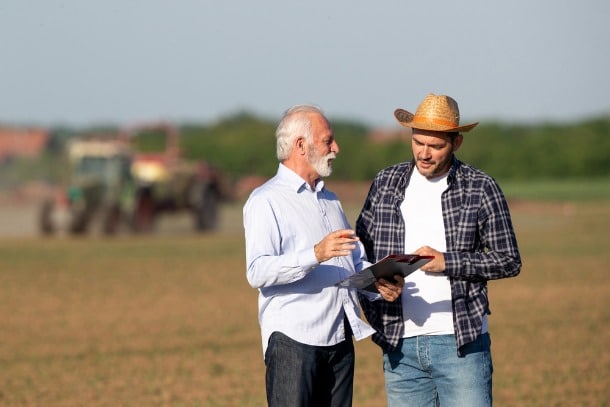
[(18, 219), (19, 211), (146, 321)]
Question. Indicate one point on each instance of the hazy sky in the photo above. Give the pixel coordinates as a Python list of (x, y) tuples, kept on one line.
[(85, 62)]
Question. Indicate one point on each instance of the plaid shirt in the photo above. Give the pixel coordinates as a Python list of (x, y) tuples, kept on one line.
[(481, 245)]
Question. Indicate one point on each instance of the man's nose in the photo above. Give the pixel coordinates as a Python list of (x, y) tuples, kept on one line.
[(334, 147)]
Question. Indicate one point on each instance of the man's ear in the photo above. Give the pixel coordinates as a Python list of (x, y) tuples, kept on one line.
[(299, 145), (457, 142)]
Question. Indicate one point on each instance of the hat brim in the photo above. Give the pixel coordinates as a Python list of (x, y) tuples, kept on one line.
[(405, 118)]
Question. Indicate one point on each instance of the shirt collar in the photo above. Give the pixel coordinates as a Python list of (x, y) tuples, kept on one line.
[(295, 181), (455, 163)]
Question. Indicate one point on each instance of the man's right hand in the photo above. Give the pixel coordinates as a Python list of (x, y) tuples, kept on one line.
[(390, 291), (338, 243)]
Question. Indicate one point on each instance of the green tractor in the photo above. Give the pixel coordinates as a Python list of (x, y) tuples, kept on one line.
[(121, 181), (99, 190), (168, 183)]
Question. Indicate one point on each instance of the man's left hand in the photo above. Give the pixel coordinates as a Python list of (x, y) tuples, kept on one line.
[(437, 264)]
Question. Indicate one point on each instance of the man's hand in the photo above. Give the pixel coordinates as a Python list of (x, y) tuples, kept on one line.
[(338, 243), (388, 290), (437, 264)]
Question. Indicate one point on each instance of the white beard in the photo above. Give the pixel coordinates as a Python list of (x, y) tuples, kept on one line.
[(322, 164)]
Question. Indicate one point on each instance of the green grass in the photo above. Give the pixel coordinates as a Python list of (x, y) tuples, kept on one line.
[(558, 190)]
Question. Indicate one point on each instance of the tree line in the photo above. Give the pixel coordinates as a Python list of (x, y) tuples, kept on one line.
[(245, 144)]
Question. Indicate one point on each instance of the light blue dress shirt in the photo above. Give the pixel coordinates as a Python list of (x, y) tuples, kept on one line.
[(283, 220)]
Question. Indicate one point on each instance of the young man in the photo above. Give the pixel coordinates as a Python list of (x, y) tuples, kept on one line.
[(298, 246), (436, 347)]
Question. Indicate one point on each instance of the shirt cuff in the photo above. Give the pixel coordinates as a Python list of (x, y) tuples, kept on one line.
[(370, 295), (452, 262), (307, 259)]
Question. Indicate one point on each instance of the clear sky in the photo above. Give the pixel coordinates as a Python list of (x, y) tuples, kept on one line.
[(87, 62)]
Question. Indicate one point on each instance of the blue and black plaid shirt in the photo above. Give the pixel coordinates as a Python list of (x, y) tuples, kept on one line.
[(481, 245)]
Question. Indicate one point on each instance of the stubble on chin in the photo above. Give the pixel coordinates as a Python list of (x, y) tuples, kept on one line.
[(428, 171)]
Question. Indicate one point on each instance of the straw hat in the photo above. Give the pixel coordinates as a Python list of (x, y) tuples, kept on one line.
[(435, 113)]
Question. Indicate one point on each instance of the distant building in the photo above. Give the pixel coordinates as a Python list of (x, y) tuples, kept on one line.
[(22, 142)]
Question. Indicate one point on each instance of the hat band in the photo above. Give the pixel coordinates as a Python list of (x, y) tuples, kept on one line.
[(420, 119)]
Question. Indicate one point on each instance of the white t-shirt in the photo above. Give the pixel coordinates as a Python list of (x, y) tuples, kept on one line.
[(426, 298)]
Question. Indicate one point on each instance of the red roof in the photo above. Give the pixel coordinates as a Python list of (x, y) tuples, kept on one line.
[(22, 142)]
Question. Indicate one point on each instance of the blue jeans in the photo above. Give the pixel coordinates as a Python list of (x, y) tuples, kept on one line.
[(426, 371), (305, 375)]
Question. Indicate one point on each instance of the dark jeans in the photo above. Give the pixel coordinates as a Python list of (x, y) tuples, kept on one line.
[(305, 375)]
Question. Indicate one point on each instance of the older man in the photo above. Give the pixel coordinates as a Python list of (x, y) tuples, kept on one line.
[(298, 246)]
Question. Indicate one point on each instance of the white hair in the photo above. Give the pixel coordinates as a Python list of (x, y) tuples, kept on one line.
[(295, 122)]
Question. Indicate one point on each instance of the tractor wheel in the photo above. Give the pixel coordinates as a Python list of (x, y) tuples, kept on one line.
[(79, 224), (111, 220), (45, 219), (206, 212), (144, 215)]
